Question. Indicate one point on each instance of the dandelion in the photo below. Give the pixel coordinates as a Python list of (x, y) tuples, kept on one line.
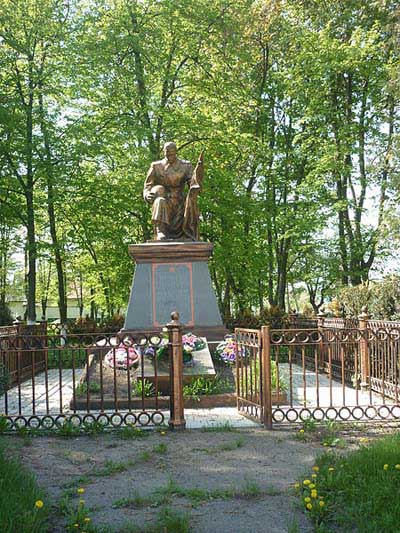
[(313, 476), (81, 490), (385, 467), (307, 500), (306, 482), (309, 506), (331, 469), (297, 486), (321, 503), (87, 519), (163, 432), (81, 502), (311, 486), (315, 468), (301, 430), (397, 467), (39, 504), (314, 494), (76, 525), (326, 444)]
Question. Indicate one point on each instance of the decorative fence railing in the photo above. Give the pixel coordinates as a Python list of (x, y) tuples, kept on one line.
[(347, 370), (20, 360), (113, 379)]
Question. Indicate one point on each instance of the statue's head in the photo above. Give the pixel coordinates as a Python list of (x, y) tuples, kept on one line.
[(170, 151)]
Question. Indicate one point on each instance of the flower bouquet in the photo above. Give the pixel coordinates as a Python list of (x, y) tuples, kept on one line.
[(226, 350), (125, 357), (191, 343)]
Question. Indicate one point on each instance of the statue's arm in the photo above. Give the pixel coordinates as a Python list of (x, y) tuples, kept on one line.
[(149, 183)]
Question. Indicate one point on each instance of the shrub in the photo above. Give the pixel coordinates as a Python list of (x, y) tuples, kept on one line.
[(6, 318), (382, 299)]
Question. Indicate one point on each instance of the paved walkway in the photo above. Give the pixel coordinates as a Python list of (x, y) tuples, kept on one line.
[(340, 396), (329, 394)]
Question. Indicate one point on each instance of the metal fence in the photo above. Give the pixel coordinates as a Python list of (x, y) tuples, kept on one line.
[(113, 379), (340, 370)]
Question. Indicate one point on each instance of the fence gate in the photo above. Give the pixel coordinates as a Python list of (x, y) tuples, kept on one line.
[(323, 373)]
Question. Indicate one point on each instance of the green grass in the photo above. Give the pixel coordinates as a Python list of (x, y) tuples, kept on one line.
[(359, 493), (18, 494), (219, 428), (171, 521), (171, 491), (131, 432)]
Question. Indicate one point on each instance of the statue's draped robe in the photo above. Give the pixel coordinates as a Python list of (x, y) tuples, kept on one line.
[(171, 209)]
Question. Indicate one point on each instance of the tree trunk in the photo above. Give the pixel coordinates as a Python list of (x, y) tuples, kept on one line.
[(62, 297)]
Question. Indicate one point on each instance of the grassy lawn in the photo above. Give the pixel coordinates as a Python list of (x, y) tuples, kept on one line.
[(20, 498), (357, 492)]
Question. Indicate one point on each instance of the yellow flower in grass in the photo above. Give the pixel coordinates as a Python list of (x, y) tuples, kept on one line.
[(315, 468), (87, 519), (385, 467), (81, 502), (311, 486), (39, 504), (306, 482), (81, 490), (301, 430), (321, 503), (307, 500), (331, 469), (163, 432), (314, 494), (313, 476), (326, 444), (397, 467), (297, 486), (309, 506), (76, 525)]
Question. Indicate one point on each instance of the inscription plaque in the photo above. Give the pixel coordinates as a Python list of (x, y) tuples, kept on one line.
[(172, 289)]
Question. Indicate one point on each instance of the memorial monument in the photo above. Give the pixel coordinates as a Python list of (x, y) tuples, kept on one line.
[(172, 270)]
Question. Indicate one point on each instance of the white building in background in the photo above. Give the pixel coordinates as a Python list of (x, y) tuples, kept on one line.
[(18, 308)]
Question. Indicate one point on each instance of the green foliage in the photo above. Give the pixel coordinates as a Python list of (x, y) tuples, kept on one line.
[(145, 388), (206, 386), (293, 103), (131, 432), (19, 493), (382, 299), (67, 358), (67, 429), (82, 388)]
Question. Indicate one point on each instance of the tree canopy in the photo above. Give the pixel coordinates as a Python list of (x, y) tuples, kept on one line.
[(296, 104)]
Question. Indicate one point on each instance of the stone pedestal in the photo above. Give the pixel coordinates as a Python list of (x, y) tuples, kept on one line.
[(173, 276)]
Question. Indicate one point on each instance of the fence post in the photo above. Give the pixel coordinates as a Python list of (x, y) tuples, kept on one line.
[(320, 325), (177, 416), (266, 376), (364, 351)]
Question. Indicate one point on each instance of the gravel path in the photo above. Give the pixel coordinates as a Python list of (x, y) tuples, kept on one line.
[(255, 468)]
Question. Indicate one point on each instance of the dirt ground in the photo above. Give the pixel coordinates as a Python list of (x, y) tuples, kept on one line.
[(257, 469), (243, 478)]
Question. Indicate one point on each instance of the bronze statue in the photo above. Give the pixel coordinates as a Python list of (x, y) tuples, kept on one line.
[(174, 216)]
